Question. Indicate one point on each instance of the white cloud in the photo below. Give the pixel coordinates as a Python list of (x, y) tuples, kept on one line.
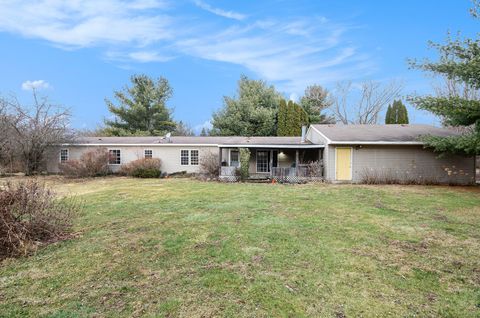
[(138, 56), (291, 53), (38, 85), (220, 12), (279, 52), (78, 23)]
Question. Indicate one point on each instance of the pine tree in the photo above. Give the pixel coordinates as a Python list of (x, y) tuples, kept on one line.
[(396, 113), (402, 114), (204, 132), (252, 112), (388, 115), (291, 118), (458, 63), (141, 108), (282, 119)]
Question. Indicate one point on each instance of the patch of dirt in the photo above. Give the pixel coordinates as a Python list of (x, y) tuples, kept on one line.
[(410, 246)]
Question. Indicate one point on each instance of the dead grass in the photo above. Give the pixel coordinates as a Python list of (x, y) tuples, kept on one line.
[(183, 248)]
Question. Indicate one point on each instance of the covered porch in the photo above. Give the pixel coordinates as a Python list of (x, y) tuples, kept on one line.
[(285, 163)]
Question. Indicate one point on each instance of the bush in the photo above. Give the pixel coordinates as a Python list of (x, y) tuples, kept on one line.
[(142, 168), (389, 176), (244, 163), (91, 164), (31, 215), (209, 165), (314, 169)]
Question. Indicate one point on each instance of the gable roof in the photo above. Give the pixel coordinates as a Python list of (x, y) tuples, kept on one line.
[(193, 140), (380, 134)]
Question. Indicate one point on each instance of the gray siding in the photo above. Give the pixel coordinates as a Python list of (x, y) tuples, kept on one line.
[(169, 155), (405, 162)]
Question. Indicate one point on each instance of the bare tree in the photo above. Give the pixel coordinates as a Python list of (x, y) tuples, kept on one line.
[(366, 107), (448, 87), (35, 129)]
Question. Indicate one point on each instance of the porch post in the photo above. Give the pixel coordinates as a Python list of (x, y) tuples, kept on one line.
[(296, 158), (220, 156)]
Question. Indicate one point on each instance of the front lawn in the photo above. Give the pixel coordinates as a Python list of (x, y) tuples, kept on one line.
[(178, 247)]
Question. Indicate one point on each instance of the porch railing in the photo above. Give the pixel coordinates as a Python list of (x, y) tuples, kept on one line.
[(303, 172), (228, 174)]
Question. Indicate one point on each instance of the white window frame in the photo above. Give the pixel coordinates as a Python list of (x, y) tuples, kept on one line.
[(182, 156), (145, 153), (119, 157), (198, 157), (68, 155), (230, 157)]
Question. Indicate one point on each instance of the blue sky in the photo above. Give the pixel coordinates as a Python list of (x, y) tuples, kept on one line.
[(79, 52)]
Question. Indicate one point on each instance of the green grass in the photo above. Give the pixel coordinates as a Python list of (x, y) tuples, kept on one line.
[(182, 248)]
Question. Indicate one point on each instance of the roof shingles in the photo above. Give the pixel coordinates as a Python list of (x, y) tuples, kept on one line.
[(381, 133)]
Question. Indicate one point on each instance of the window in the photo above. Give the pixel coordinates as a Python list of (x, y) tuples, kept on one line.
[(114, 157), (184, 157), (234, 160), (148, 153), (63, 155), (194, 157), (263, 161)]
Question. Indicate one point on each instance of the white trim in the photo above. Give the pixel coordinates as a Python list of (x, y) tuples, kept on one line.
[(146, 150), (263, 146), (140, 145), (351, 163), (406, 143), (230, 157), (190, 157), (199, 145), (321, 134), (114, 164), (60, 155)]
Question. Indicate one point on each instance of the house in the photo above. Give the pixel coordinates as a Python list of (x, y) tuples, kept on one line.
[(345, 153)]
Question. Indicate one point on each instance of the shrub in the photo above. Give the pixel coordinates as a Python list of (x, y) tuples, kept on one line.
[(244, 163), (31, 215), (91, 164), (314, 169), (209, 165), (142, 168), (389, 176)]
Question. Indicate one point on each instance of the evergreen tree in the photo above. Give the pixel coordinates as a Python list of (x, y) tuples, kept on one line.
[(293, 120), (204, 132), (252, 113), (388, 115), (402, 115), (282, 118), (396, 113), (315, 100), (141, 108), (458, 63)]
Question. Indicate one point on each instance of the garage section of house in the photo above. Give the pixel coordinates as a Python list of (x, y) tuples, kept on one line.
[(389, 153)]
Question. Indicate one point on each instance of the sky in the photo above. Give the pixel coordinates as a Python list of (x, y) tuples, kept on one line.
[(79, 52)]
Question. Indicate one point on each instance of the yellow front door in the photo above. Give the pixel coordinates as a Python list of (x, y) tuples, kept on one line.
[(344, 164)]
